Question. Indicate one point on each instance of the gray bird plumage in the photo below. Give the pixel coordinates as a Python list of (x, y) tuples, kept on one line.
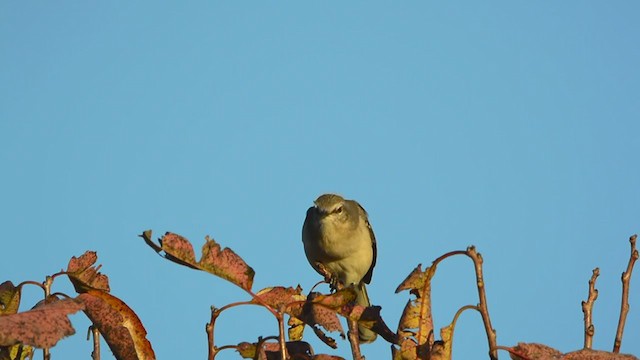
[(337, 236)]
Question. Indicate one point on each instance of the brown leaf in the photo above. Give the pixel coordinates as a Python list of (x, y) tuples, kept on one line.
[(533, 351), (408, 350), (415, 280), (9, 298), (314, 314), (41, 327), (326, 357), (247, 350), (295, 349), (337, 300), (178, 249), (588, 354), (318, 310), (296, 328), (84, 275), (16, 352), (226, 264), (279, 296), (416, 322), (118, 324), (369, 317), (220, 262)]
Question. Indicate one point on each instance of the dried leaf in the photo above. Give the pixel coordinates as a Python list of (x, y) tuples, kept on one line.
[(279, 296), (535, 351), (337, 300), (295, 349), (296, 328), (9, 298), (247, 350), (408, 350), (226, 264), (444, 348), (326, 357), (415, 280), (84, 275), (588, 354), (16, 352), (415, 329), (314, 314), (178, 249), (118, 324), (369, 317), (220, 262), (42, 326), (320, 313)]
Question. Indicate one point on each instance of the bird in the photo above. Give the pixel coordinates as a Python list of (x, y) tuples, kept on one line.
[(339, 243)]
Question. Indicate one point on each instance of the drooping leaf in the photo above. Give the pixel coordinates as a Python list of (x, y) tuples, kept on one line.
[(9, 298), (221, 262), (178, 249), (369, 317), (318, 310), (42, 326), (119, 325), (226, 264), (415, 329), (84, 275)]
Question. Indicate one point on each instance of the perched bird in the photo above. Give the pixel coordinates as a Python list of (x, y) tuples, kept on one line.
[(339, 242)]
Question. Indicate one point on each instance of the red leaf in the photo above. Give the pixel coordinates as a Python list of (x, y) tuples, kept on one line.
[(118, 324), (221, 262), (279, 296), (41, 327), (84, 275), (226, 264)]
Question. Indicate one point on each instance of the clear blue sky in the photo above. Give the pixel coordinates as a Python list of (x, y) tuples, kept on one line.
[(511, 125)]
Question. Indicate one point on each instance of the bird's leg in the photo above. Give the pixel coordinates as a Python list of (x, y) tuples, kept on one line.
[(334, 283)]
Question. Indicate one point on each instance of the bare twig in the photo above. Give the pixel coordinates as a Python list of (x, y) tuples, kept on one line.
[(482, 306), (213, 350), (624, 307), (587, 309), (281, 340), (48, 282), (95, 354), (354, 340)]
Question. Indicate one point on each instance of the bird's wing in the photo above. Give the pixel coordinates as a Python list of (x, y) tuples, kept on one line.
[(369, 274)]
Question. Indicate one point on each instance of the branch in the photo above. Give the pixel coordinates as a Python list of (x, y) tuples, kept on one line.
[(482, 306), (213, 350), (354, 340), (587, 309), (95, 354), (624, 307)]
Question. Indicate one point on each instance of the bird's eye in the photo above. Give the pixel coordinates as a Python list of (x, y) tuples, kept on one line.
[(338, 210)]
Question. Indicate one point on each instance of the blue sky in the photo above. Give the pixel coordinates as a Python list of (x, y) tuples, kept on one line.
[(510, 125)]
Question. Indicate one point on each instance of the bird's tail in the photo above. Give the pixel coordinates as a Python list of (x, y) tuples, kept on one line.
[(362, 298)]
